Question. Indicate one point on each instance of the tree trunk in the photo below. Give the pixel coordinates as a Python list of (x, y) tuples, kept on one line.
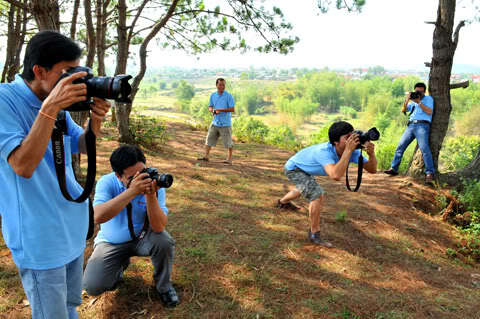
[(91, 38), (73, 26), (46, 14), (101, 30), (123, 109), (444, 46), (471, 171), (17, 22)]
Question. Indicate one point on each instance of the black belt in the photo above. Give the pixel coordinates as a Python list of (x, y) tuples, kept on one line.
[(417, 122)]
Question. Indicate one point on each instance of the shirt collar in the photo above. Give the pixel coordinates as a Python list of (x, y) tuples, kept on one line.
[(27, 92)]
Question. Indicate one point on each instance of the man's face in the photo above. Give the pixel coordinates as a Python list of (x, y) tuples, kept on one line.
[(221, 86), (130, 172), (48, 78), (421, 90)]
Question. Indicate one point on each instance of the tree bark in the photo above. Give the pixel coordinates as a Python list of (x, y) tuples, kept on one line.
[(444, 46), (123, 109), (17, 24), (73, 26), (91, 38), (471, 171), (46, 14)]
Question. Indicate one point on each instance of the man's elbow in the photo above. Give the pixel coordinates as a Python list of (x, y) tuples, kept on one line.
[(335, 177), (23, 171)]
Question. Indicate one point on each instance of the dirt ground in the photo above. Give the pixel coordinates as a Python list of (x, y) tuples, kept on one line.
[(237, 256)]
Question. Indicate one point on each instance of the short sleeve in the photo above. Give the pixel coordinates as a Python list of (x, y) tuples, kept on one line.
[(161, 200), (409, 107), (104, 190), (74, 131), (428, 102), (11, 131), (210, 103), (325, 157)]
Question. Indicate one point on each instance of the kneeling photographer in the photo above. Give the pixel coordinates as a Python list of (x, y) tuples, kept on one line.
[(327, 159), (130, 207)]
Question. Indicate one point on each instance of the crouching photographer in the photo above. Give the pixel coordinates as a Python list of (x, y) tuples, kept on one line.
[(130, 207), (328, 159)]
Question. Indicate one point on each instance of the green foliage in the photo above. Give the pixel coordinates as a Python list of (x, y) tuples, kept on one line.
[(283, 136), (470, 196), (198, 109), (185, 91), (174, 85), (458, 152), (341, 216), (248, 100), (320, 136), (248, 129), (148, 130)]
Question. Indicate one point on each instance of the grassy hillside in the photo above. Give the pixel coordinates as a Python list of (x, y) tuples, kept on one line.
[(239, 257)]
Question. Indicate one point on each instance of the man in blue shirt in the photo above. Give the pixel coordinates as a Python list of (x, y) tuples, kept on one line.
[(328, 159), (421, 110), (221, 106), (44, 231), (122, 236)]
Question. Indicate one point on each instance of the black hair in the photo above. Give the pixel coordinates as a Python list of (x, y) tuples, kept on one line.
[(126, 156), (420, 85), (47, 48), (218, 80), (337, 130)]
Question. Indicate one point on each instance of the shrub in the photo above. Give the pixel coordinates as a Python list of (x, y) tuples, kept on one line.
[(248, 129), (458, 152), (148, 131)]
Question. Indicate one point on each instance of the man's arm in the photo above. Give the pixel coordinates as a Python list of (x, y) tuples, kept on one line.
[(371, 165), (156, 216), (228, 109), (336, 171), (105, 211), (426, 108), (26, 157), (405, 103)]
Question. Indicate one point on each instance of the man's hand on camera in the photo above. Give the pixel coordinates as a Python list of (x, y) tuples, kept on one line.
[(141, 183), (417, 100), (64, 94), (370, 148), (100, 108), (352, 142), (210, 109), (152, 189)]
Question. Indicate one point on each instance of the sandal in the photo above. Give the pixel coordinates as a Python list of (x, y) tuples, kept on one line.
[(202, 159), (227, 162)]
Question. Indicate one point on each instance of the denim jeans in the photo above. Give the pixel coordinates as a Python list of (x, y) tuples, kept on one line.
[(421, 132), (54, 293)]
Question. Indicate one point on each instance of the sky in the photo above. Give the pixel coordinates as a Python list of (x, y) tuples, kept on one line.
[(390, 33)]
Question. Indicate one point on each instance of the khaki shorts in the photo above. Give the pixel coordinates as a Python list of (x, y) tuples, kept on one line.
[(214, 132), (305, 183)]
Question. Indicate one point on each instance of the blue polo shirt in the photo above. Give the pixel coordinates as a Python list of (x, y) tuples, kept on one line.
[(313, 158), (41, 228), (115, 231), (223, 101), (418, 114)]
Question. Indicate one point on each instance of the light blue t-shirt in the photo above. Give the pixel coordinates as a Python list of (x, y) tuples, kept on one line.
[(115, 231), (313, 159), (223, 101), (41, 228), (418, 114)]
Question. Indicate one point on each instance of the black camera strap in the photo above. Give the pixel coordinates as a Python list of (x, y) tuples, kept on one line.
[(359, 176), (130, 224), (59, 160)]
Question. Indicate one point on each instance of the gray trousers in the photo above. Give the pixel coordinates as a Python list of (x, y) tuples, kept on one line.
[(106, 265)]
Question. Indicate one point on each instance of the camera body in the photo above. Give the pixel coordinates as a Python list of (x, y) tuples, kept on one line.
[(114, 88), (415, 95), (163, 180), (371, 135)]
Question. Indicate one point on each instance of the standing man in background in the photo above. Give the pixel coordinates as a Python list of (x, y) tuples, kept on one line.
[(221, 106), (418, 127)]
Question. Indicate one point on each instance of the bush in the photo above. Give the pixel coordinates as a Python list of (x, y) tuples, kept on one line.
[(148, 130), (458, 152), (248, 129), (283, 136), (198, 109)]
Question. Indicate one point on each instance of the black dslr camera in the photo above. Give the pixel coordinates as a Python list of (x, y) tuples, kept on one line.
[(163, 180), (371, 135), (415, 95), (113, 88)]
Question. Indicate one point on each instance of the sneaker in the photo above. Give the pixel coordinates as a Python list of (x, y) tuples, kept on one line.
[(169, 298), (315, 239), (391, 172), (288, 205)]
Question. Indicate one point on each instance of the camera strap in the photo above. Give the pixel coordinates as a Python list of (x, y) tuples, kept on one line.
[(59, 160), (130, 224), (359, 176)]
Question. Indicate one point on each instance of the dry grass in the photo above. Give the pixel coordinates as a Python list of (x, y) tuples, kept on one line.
[(238, 257)]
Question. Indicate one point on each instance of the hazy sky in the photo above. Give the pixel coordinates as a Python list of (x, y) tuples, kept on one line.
[(391, 33)]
